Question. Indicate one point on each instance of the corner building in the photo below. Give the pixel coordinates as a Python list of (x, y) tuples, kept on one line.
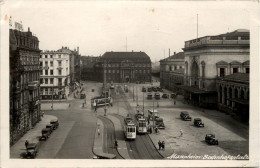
[(124, 67), (24, 55), (210, 57)]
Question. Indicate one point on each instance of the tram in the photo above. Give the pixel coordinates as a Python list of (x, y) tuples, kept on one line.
[(129, 128), (101, 101), (141, 123)]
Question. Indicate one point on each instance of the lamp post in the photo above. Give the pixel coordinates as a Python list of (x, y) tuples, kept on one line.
[(153, 114), (133, 94), (143, 103)]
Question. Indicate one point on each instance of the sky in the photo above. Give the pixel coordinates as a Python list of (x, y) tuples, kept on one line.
[(150, 26)]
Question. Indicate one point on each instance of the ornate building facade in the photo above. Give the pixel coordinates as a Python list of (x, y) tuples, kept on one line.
[(24, 82), (208, 57), (124, 67), (172, 71)]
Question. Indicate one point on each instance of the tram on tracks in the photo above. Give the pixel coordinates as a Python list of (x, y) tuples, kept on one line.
[(129, 128), (101, 101), (141, 123)]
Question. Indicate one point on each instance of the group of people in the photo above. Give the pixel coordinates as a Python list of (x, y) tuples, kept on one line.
[(161, 145)]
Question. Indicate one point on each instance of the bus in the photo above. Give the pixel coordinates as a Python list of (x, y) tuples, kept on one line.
[(129, 128), (101, 101), (141, 123)]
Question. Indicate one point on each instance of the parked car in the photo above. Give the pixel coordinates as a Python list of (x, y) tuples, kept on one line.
[(173, 95), (157, 96), (32, 150), (152, 114), (149, 89), (55, 123), (165, 96), (50, 126), (154, 89), (185, 116), (45, 133), (143, 89), (198, 122), (210, 139), (82, 96), (149, 96), (159, 89), (159, 123)]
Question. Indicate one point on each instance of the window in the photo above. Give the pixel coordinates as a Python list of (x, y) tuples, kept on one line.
[(46, 91), (59, 72), (46, 72), (41, 91), (59, 56), (51, 72), (51, 56), (235, 70), (40, 72), (40, 56), (59, 62), (46, 80), (51, 80), (222, 72), (46, 63), (60, 81), (41, 81), (50, 91), (40, 63), (247, 70), (51, 63), (46, 56)]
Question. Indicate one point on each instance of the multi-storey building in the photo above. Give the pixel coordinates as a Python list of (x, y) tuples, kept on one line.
[(210, 57), (172, 71), (87, 71), (124, 67), (24, 82), (55, 74)]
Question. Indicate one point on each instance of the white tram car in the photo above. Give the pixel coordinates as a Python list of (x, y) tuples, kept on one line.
[(129, 128), (141, 123)]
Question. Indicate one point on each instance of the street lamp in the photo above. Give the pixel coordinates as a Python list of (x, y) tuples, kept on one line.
[(143, 103)]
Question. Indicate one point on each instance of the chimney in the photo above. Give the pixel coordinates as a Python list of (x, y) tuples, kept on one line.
[(174, 53), (78, 50), (169, 52), (28, 29)]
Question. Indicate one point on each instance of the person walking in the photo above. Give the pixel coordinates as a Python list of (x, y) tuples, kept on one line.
[(181, 133), (116, 144), (26, 144), (159, 144), (98, 132), (163, 145)]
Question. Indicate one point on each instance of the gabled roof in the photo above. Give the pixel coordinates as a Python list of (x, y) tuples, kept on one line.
[(222, 63), (242, 77), (179, 55), (246, 62), (235, 63), (124, 56)]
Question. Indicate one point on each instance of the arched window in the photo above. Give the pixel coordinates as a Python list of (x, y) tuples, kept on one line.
[(194, 69)]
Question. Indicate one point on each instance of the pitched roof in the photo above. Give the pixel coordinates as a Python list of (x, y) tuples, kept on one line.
[(240, 77), (222, 63), (124, 56), (179, 55), (235, 63)]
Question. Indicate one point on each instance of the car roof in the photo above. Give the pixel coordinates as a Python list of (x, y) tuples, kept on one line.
[(45, 129), (49, 125), (54, 120), (197, 118), (185, 112)]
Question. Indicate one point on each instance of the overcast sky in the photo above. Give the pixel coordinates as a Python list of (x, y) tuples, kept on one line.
[(152, 27)]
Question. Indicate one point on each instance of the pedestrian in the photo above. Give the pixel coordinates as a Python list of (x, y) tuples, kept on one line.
[(163, 145), (159, 144), (156, 130), (181, 133), (26, 144), (98, 131), (174, 102), (95, 109), (148, 121), (116, 144)]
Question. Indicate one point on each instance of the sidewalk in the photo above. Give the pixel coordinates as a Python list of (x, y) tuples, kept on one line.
[(32, 135)]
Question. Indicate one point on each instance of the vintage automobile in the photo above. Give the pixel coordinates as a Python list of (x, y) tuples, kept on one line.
[(82, 96), (165, 96), (173, 95), (143, 89), (149, 96), (157, 96), (149, 89), (210, 139), (198, 122), (50, 126), (154, 89), (159, 89), (45, 133), (55, 123), (185, 116), (159, 123), (152, 113), (32, 150)]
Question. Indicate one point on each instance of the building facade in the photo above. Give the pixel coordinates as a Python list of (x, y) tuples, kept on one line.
[(55, 74), (172, 72), (124, 67), (233, 94), (24, 83), (209, 57), (87, 71)]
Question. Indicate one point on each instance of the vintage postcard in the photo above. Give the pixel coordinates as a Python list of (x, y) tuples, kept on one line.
[(144, 83)]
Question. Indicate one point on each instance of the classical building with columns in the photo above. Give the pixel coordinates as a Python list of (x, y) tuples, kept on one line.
[(123, 67), (172, 71), (233, 94), (210, 57)]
